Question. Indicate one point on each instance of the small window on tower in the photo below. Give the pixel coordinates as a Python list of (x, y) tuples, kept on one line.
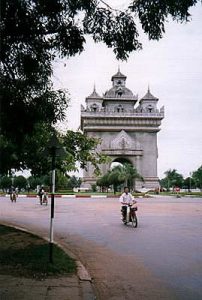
[(120, 108), (150, 108), (119, 92), (94, 107)]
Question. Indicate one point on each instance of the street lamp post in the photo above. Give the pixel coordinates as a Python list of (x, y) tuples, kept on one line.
[(54, 149)]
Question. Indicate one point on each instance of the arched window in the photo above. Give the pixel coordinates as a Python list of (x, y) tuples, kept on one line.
[(94, 107), (150, 108), (119, 108), (119, 92)]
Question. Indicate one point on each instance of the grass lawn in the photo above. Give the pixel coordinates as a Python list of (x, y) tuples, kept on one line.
[(24, 254)]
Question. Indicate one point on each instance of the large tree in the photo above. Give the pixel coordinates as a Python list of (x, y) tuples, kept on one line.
[(74, 182), (129, 174), (35, 32), (122, 174), (115, 177), (189, 183), (172, 179), (5, 183), (20, 182), (197, 176), (78, 148), (103, 182)]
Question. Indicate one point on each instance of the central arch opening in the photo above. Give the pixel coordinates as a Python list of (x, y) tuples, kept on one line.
[(127, 180), (120, 161)]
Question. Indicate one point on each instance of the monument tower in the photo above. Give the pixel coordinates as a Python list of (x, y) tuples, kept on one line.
[(127, 129)]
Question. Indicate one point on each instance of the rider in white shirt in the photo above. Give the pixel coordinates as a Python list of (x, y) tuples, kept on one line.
[(125, 199)]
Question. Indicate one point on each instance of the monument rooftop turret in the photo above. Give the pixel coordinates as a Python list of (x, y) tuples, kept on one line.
[(119, 92), (118, 75), (94, 101), (148, 96)]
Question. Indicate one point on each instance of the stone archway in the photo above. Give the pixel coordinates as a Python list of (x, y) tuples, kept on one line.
[(128, 132)]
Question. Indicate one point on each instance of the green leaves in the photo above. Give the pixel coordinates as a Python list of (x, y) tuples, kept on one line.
[(120, 174), (82, 149), (154, 13), (5, 182), (20, 182), (117, 30), (172, 179), (197, 176)]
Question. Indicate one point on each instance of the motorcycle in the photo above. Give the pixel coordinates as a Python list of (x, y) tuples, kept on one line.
[(13, 196), (129, 215), (44, 199)]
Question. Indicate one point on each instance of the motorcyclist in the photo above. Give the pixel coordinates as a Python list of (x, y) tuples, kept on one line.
[(13, 193), (41, 193), (45, 198), (125, 199)]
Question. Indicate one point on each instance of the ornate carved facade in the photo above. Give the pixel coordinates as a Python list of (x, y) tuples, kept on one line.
[(127, 128)]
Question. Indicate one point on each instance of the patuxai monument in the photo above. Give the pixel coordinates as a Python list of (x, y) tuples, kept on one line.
[(127, 128)]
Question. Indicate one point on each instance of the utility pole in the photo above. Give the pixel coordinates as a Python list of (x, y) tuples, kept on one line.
[(53, 149)]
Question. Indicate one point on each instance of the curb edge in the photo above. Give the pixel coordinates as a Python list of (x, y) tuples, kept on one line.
[(82, 273)]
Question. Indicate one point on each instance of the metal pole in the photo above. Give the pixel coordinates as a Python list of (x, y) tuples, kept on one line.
[(190, 174), (52, 205)]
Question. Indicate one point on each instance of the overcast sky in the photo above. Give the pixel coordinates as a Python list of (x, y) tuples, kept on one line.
[(173, 69)]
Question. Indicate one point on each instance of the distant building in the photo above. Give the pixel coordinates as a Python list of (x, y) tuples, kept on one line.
[(127, 128)]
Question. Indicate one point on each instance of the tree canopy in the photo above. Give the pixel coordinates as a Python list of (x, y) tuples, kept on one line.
[(35, 32), (197, 176), (20, 182), (172, 179), (122, 174)]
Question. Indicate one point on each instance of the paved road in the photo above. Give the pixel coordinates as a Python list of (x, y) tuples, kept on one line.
[(161, 259)]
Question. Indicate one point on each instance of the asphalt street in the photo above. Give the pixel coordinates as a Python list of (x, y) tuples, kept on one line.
[(167, 241)]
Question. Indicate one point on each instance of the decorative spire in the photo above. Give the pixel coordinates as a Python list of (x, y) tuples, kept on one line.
[(119, 75), (149, 95), (94, 93)]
